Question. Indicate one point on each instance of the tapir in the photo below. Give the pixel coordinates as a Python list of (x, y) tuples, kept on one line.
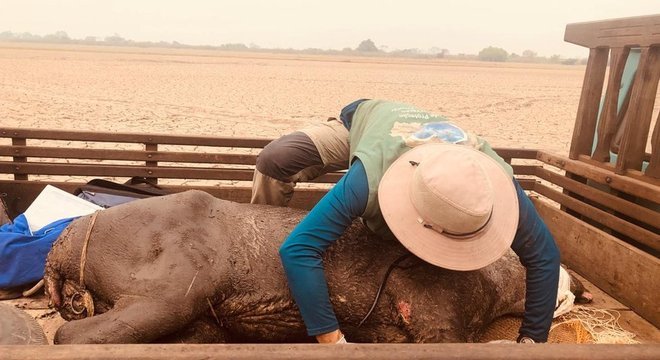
[(189, 267)]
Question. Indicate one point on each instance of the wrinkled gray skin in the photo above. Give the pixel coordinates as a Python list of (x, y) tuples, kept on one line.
[(156, 266)]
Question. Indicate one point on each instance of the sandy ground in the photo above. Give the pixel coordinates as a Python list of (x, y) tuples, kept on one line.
[(266, 95), (262, 95)]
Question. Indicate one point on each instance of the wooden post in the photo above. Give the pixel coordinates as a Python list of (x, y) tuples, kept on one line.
[(587, 115), (151, 147), (19, 142), (622, 120), (654, 164), (633, 143), (592, 88), (609, 115)]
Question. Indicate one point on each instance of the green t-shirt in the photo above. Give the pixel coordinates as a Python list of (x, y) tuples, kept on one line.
[(381, 131)]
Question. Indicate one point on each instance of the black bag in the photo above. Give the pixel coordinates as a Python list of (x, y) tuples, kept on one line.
[(4, 210), (106, 193)]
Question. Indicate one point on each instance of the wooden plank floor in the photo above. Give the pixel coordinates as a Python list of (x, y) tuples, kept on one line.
[(645, 332), (347, 351)]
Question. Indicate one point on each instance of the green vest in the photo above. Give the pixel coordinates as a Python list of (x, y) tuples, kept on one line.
[(381, 131)]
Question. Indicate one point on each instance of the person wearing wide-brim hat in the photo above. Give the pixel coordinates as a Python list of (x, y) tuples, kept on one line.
[(417, 177)]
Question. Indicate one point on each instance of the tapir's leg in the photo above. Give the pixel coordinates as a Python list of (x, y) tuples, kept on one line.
[(201, 331), (132, 320), (425, 332)]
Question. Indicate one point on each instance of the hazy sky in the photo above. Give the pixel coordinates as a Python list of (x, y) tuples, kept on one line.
[(460, 26)]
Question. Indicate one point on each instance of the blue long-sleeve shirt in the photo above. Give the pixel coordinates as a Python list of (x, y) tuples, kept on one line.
[(302, 253)]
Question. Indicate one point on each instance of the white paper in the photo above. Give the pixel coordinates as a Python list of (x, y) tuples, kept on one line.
[(54, 204)]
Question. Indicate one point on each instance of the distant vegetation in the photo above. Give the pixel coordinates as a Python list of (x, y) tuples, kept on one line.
[(365, 48), (493, 54)]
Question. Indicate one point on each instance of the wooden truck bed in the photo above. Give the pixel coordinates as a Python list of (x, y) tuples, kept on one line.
[(604, 212)]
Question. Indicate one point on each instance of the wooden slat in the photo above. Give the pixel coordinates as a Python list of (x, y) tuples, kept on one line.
[(350, 351), (623, 271), (639, 30), (126, 171), (129, 171), (150, 157), (608, 124), (127, 155), (133, 138), (524, 169), (633, 174), (637, 233), (654, 163), (644, 189), (514, 153), (622, 120), (172, 156), (527, 184), (20, 194), (633, 143), (160, 156), (592, 88), (613, 202), (182, 140)]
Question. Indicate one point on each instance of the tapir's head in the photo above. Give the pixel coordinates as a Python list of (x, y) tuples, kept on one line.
[(62, 274)]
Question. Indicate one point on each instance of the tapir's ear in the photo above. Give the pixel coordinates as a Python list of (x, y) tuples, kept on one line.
[(53, 286)]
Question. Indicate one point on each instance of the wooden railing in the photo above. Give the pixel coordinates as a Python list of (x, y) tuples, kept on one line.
[(599, 256), (149, 157), (620, 197), (219, 162)]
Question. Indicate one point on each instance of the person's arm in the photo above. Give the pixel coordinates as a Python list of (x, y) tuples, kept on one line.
[(539, 254), (302, 251)]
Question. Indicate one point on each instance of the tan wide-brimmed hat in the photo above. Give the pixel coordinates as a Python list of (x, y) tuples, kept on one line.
[(451, 205)]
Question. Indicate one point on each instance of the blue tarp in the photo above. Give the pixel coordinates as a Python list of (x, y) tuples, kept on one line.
[(22, 254)]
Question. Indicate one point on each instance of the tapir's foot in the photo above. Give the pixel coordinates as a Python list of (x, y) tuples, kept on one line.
[(582, 295), (584, 298)]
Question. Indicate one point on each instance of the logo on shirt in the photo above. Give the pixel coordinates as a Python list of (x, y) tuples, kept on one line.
[(415, 134)]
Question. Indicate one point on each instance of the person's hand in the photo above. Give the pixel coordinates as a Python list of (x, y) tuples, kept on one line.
[(342, 340), (333, 337)]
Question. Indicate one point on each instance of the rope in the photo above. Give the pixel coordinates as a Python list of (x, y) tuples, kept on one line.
[(382, 285), (602, 325), (83, 256), (84, 296), (34, 289)]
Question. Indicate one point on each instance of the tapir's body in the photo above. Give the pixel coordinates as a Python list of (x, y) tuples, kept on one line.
[(163, 268)]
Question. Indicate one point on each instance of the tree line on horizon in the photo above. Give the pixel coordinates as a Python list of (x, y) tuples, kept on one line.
[(365, 48)]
